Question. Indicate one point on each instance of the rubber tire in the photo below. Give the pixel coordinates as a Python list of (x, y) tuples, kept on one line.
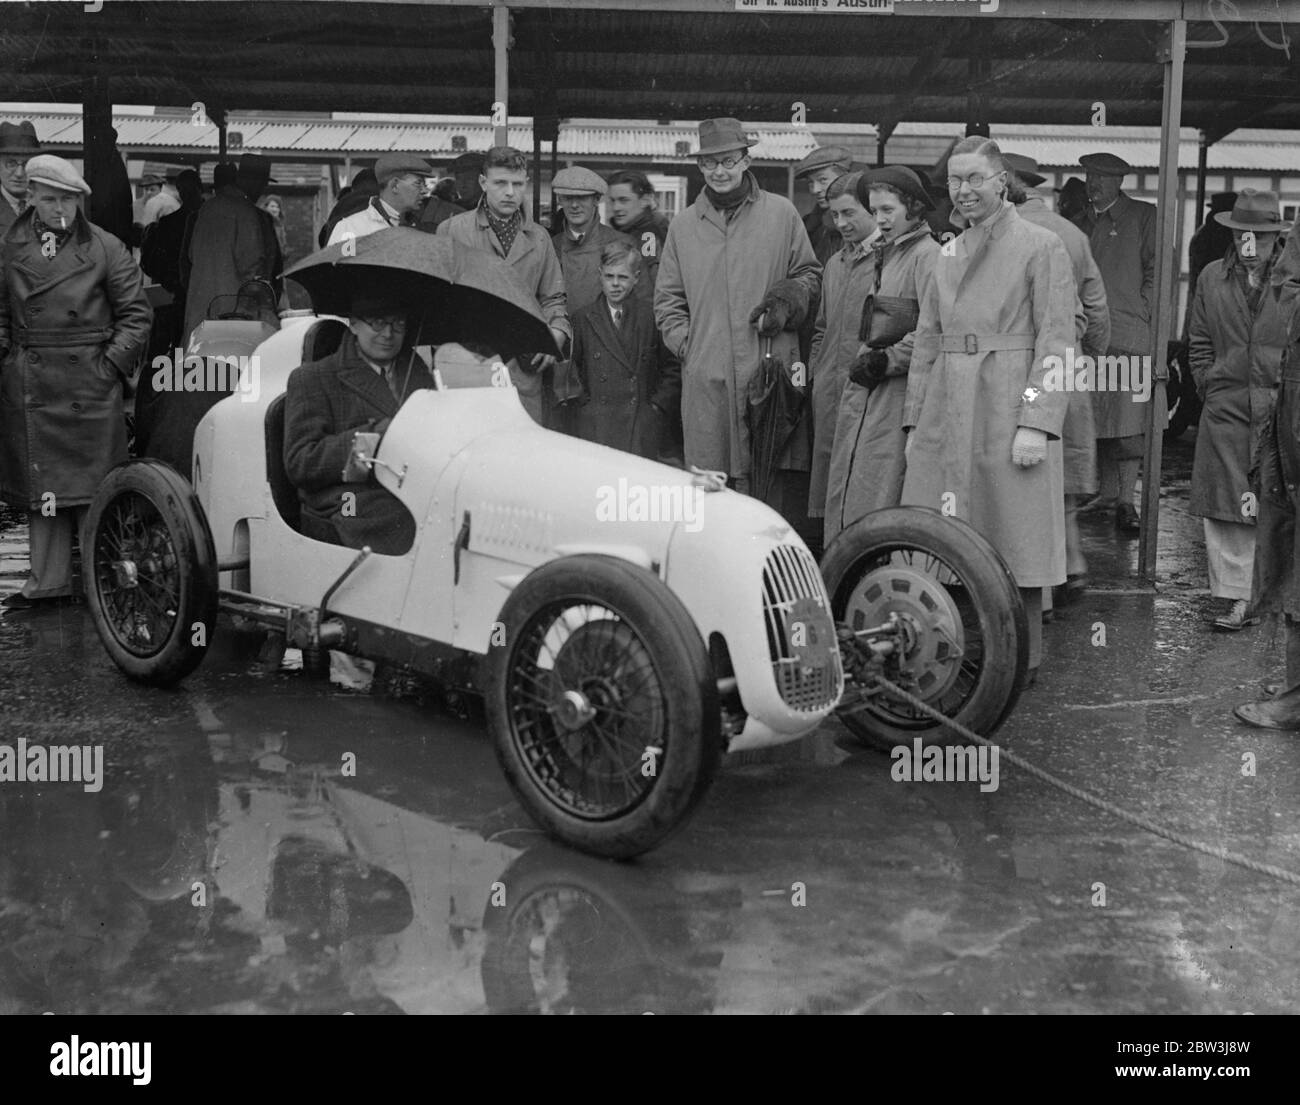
[(630, 960), (992, 589), (693, 747), (188, 530)]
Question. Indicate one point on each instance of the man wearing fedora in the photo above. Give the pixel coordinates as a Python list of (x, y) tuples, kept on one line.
[(231, 242), (1092, 333), (1235, 340), (821, 169), (73, 316), (401, 177), (17, 145), (1122, 234), (737, 273)]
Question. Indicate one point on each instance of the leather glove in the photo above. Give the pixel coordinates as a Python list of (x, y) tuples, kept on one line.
[(869, 368), (785, 305), (1029, 447)]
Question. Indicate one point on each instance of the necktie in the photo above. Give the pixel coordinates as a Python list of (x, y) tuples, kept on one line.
[(618, 316), (390, 374), (22, 205)]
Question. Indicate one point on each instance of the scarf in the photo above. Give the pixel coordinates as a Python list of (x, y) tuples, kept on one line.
[(51, 238), (506, 230), (729, 202)]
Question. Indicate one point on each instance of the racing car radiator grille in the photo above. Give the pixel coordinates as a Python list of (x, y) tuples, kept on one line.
[(800, 632)]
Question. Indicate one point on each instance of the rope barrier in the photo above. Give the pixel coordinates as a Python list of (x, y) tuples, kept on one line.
[(1140, 820)]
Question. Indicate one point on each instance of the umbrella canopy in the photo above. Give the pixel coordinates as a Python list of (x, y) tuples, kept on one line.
[(772, 413), (460, 294)]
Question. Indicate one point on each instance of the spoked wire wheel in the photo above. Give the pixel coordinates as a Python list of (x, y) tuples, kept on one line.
[(602, 704), (151, 578), (958, 624)]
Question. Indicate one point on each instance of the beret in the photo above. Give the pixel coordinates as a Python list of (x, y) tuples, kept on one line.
[(902, 178)]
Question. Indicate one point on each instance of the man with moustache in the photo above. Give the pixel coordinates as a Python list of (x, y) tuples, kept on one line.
[(17, 145), (500, 225), (738, 254), (401, 179), (73, 316), (1122, 234)]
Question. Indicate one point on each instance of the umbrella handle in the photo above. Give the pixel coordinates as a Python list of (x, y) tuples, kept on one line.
[(767, 342)]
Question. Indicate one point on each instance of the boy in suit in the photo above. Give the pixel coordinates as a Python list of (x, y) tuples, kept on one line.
[(629, 380)]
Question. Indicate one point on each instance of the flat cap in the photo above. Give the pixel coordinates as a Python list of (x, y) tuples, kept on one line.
[(823, 156), (1107, 164), (152, 178), (1026, 168), (395, 164), (45, 168), (902, 178), (577, 181)]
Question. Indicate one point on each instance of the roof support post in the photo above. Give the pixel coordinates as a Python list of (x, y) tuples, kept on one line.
[(1172, 52), (501, 76), (1202, 150), (789, 183)]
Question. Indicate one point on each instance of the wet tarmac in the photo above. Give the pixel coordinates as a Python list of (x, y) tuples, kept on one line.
[(268, 843)]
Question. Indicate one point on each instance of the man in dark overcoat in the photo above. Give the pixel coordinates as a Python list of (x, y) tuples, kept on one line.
[(356, 389), (73, 316)]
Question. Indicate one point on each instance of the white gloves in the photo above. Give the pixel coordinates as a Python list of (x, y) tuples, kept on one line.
[(1029, 447)]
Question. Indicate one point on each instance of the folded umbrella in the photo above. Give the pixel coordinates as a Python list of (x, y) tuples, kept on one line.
[(463, 294), (772, 411)]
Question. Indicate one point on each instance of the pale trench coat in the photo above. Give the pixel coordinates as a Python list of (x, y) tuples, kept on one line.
[(866, 461), (713, 273), (1092, 334), (1006, 283)]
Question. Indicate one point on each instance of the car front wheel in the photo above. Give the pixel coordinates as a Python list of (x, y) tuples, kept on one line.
[(150, 572), (602, 704)]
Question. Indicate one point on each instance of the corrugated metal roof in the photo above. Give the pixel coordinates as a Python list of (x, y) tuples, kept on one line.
[(434, 139)]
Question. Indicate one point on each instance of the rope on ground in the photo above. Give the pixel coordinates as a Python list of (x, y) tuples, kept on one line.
[(1140, 820)]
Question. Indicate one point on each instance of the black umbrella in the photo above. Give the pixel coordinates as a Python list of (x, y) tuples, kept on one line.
[(772, 411), (462, 294)]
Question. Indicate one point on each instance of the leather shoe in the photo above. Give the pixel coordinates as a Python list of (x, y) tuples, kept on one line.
[(1238, 617), (19, 601), (1071, 591), (1282, 712), (1126, 518), (1096, 505)]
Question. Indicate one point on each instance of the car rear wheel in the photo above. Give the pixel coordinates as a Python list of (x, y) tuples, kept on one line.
[(964, 642), (603, 705), (150, 571)]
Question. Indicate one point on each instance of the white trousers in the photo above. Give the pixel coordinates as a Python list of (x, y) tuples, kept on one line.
[(1230, 550)]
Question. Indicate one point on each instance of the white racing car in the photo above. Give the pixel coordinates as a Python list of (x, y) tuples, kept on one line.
[(620, 649)]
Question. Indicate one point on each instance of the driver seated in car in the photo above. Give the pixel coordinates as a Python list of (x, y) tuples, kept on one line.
[(355, 390)]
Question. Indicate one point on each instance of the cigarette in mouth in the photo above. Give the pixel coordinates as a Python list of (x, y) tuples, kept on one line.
[(63, 222)]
